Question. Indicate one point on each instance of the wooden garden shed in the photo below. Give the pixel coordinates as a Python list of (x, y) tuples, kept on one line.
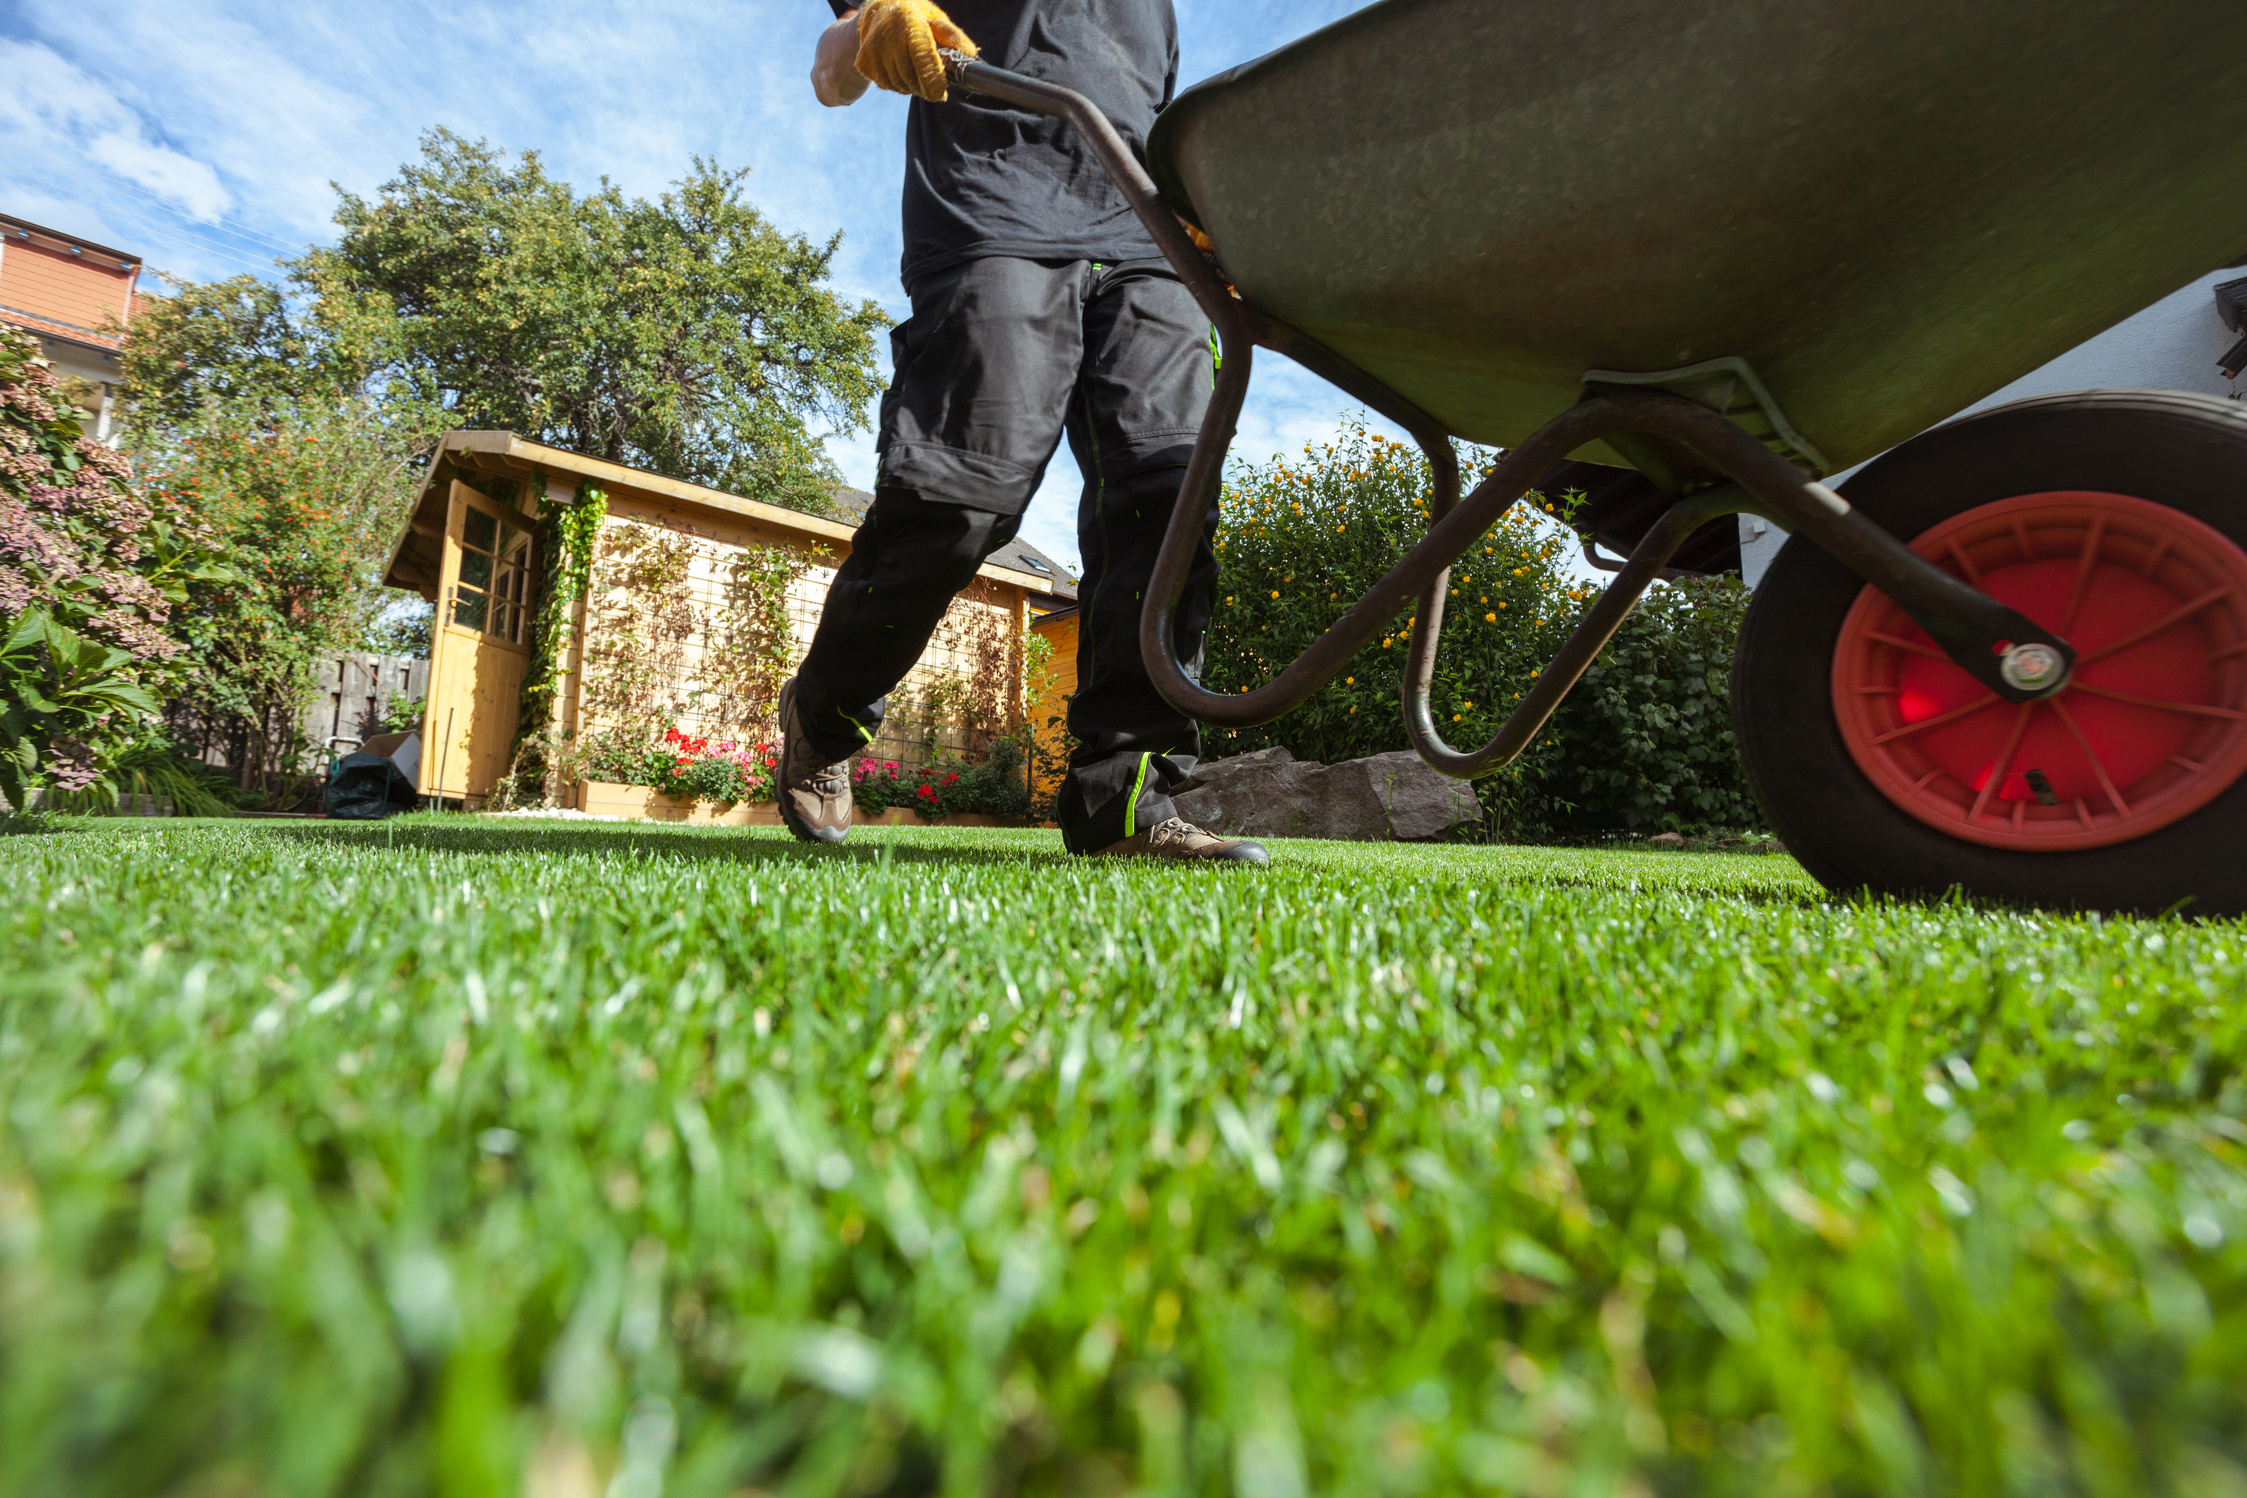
[(695, 606)]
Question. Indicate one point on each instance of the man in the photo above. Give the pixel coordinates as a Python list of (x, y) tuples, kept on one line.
[(1039, 306)]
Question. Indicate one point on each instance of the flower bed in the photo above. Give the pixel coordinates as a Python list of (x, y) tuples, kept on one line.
[(686, 779), (946, 788)]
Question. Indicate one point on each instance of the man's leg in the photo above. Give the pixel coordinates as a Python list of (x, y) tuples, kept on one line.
[(984, 368), (1139, 403), (908, 561), (1132, 746)]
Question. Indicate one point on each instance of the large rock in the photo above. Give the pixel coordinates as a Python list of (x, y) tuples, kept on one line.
[(1271, 793)]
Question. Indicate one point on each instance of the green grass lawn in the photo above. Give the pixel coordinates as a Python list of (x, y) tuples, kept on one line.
[(560, 1160)]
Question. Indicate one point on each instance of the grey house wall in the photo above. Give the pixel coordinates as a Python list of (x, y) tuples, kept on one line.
[(2171, 345)]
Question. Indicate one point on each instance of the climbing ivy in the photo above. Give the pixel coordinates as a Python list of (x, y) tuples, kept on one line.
[(749, 643), (565, 551), (661, 654)]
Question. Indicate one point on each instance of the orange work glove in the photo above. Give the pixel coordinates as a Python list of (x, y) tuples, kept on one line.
[(897, 42)]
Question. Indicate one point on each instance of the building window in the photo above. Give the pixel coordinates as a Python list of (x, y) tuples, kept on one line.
[(494, 591)]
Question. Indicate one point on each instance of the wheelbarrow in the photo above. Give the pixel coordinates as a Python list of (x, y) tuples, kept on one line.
[(1739, 245)]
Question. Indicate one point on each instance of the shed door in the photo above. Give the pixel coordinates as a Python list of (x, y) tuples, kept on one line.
[(480, 648)]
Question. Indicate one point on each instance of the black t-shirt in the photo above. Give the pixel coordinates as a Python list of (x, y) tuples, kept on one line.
[(985, 178)]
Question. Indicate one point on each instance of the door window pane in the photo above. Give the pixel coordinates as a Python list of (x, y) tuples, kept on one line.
[(495, 584)]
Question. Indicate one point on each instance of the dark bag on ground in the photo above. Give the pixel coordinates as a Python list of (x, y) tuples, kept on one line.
[(367, 788)]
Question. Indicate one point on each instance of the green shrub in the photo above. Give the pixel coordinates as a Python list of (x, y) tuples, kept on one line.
[(155, 769), (1301, 542), (402, 713), (1644, 742)]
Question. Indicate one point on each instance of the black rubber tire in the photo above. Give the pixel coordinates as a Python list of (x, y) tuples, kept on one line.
[(2188, 452)]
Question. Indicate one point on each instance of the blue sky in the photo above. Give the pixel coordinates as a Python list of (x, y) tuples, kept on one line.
[(205, 136)]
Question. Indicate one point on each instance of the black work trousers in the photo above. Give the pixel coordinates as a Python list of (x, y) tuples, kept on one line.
[(1000, 358)]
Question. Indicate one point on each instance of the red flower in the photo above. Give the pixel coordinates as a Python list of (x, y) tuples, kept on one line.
[(929, 791)]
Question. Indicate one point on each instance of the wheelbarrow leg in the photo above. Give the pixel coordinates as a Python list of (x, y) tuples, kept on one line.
[(1606, 615)]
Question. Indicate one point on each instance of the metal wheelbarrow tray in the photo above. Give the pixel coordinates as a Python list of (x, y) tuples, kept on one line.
[(1737, 245)]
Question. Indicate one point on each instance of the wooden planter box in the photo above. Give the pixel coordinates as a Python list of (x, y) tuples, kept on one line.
[(641, 804)]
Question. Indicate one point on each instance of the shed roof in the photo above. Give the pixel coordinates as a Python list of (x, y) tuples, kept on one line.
[(416, 559)]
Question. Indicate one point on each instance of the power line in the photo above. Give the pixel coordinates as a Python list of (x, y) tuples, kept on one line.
[(144, 224), (23, 153), (145, 218)]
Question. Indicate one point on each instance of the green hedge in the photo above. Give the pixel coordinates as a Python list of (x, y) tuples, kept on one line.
[(1644, 743), (1645, 740)]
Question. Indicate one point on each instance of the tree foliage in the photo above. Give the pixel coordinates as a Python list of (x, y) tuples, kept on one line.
[(236, 343), (307, 496)]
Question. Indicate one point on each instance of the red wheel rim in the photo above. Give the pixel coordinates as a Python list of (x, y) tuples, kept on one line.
[(2151, 727)]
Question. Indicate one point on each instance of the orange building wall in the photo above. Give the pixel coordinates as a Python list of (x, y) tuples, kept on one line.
[(1060, 682), (64, 288)]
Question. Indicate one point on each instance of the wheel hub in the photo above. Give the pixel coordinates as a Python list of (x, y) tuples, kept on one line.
[(2033, 668), (2150, 725)]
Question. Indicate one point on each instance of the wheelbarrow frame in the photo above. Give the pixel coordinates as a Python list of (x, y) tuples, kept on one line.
[(2008, 653)]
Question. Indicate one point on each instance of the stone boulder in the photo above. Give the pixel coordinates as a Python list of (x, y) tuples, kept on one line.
[(1271, 793)]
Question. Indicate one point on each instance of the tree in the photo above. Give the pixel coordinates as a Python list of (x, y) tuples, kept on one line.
[(307, 495), (687, 335), (235, 343)]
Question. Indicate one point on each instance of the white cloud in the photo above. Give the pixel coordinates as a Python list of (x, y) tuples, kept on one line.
[(179, 179), (54, 115)]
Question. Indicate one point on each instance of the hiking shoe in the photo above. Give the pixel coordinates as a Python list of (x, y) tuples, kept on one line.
[(814, 795), (1178, 838)]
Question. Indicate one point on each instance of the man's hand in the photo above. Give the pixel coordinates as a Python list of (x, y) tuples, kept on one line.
[(897, 44), (835, 79)]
